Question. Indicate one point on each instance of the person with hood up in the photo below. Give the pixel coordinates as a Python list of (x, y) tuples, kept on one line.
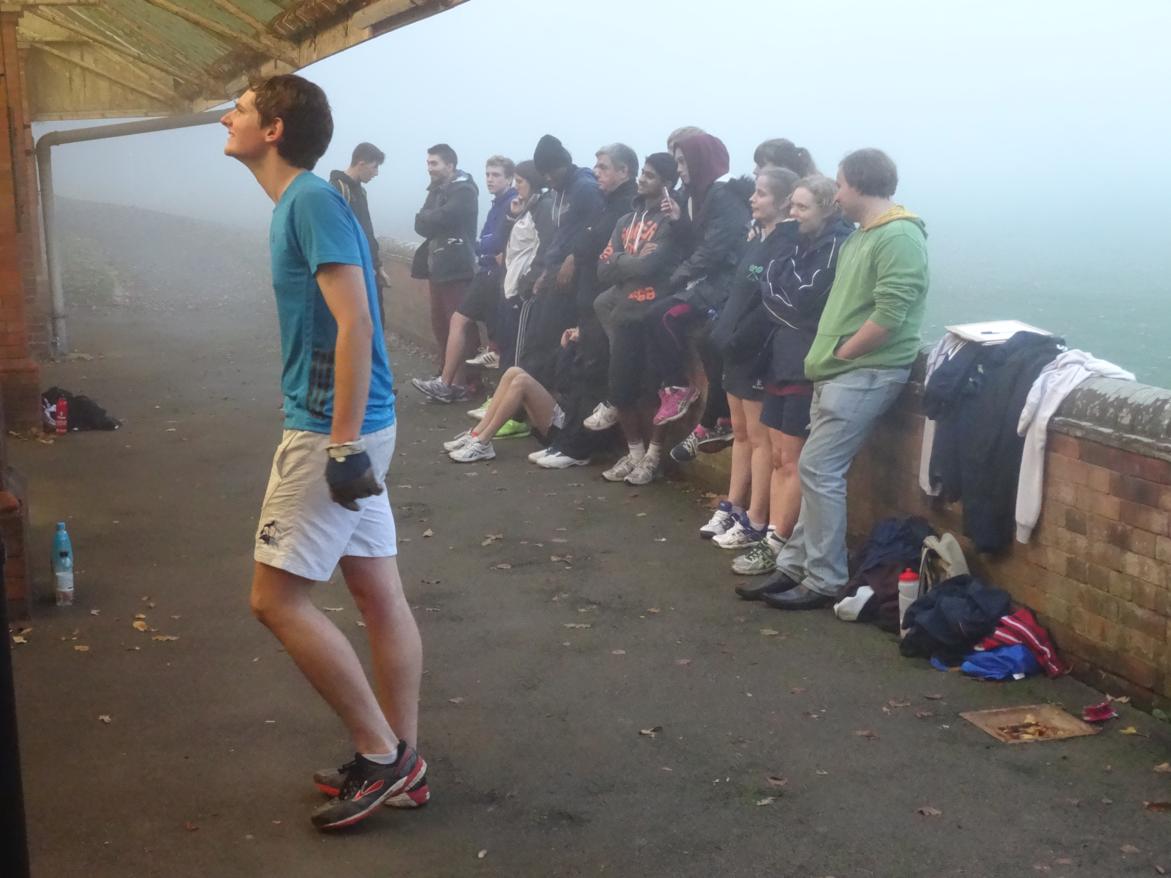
[(793, 294), (713, 224), (637, 263), (740, 335), (365, 162), (447, 222), (860, 358), (577, 201)]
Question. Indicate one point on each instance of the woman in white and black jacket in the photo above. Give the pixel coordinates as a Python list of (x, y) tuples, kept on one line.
[(794, 293)]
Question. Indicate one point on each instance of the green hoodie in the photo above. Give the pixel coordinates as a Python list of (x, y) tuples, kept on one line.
[(882, 277)]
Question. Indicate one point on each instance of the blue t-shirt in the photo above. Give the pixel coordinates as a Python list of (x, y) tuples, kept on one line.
[(313, 226)]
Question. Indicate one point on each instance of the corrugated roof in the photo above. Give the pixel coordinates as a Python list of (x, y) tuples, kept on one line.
[(88, 59)]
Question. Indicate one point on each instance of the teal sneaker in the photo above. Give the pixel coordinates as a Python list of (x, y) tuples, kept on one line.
[(513, 429)]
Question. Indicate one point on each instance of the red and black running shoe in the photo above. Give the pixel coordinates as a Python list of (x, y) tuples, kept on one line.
[(366, 785), (330, 780)]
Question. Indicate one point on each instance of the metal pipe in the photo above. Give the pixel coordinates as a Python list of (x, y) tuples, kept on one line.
[(45, 143)]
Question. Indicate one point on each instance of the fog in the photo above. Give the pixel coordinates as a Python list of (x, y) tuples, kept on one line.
[(1031, 137)]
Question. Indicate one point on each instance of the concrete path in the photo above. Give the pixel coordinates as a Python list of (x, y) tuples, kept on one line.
[(784, 745)]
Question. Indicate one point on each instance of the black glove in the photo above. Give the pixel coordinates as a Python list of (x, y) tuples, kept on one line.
[(350, 479)]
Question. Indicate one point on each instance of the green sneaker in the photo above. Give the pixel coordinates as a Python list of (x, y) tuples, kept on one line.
[(513, 429), (756, 561)]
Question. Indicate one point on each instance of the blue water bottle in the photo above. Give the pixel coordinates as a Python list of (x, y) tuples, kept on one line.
[(63, 566)]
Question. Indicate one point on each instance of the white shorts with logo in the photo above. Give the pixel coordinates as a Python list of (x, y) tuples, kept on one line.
[(301, 529)]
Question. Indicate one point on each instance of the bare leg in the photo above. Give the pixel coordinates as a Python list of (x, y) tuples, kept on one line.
[(453, 358), (785, 500), (739, 485), (500, 399), (280, 600), (760, 463), (395, 646)]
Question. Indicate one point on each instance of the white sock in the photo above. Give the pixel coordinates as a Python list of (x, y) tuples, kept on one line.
[(382, 758), (737, 510), (654, 450), (775, 538), (636, 451), (754, 525)]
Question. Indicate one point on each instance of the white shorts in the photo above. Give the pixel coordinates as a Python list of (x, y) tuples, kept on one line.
[(301, 529)]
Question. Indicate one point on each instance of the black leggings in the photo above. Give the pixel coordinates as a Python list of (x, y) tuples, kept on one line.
[(627, 363)]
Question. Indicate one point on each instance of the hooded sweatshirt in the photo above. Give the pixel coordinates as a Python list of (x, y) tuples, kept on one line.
[(355, 195), (882, 277), (448, 223), (494, 235), (575, 206), (593, 240), (622, 264)]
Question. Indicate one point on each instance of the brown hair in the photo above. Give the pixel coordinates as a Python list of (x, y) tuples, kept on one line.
[(785, 154), (780, 182), (303, 108), (504, 163), (871, 172)]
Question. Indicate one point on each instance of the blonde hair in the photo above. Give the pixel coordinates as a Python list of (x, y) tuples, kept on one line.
[(823, 189)]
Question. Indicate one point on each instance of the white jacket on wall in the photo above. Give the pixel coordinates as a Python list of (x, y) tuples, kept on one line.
[(1048, 392)]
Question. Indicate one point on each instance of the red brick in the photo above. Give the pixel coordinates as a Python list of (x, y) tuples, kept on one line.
[(1103, 479), (1144, 517), (1107, 555), (1075, 521), (1077, 568), (1105, 505), (1149, 596), (1145, 622), (1071, 543), (1163, 550), (1064, 469), (1144, 568), (1102, 455), (1061, 491), (1152, 469), (1141, 491), (1066, 446)]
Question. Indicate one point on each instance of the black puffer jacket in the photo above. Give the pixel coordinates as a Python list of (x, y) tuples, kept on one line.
[(794, 293), (714, 235), (448, 222), (590, 243)]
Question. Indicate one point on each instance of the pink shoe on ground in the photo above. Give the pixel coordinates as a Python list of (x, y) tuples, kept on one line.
[(674, 403)]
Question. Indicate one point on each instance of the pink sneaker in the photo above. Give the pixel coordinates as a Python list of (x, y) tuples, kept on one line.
[(674, 403)]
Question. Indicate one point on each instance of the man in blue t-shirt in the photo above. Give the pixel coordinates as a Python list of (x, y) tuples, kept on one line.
[(326, 503)]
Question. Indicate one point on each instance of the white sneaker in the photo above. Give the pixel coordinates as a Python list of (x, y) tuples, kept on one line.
[(557, 460), (477, 414), (486, 358), (473, 451), (721, 521), (739, 536), (536, 456), (619, 471), (458, 442), (644, 471), (603, 417)]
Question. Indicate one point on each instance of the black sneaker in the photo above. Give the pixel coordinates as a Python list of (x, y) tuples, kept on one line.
[(418, 794), (367, 785), (775, 585)]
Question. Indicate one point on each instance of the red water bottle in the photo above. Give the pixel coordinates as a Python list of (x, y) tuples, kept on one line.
[(62, 415)]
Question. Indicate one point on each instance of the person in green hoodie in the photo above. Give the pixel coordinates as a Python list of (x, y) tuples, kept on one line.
[(866, 341)]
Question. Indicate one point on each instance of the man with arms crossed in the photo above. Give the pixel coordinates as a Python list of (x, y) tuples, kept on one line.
[(326, 503)]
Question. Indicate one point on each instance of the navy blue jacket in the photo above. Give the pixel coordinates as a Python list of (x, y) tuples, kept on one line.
[(574, 208), (494, 235)]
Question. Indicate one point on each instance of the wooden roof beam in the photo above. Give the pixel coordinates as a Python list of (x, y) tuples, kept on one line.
[(160, 96), (262, 43), (232, 9)]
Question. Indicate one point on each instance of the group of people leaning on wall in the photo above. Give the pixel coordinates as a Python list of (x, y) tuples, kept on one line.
[(786, 306)]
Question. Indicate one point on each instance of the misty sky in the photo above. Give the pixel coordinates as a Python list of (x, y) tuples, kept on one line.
[(1032, 137)]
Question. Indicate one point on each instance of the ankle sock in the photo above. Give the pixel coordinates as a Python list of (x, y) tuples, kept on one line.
[(752, 524), (382, 758), (636, 451), (654, 450)]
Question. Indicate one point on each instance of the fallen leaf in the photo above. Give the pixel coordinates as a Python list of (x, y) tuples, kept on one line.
[(140, 615), (1129, 730), (105, 718), (1157, 806), (190, 827), (1129, 849), (428, 533), (651, 732), (361, 624), (333, 609), (767, 800), (1160, 870), (1163, 768), (576, 625), (777, 781), (653, 610), (501, 566), (924, 714), (933, 697), (866, 733), (894, 702), (1121, 699), (822, 773), (16, 638), (769, 632), (140, 625), (95, 612), (640, 515), (617, 652), (682, 662), (928, 811), (481, 855), (1063, 861), (797, 690), (165, 638), (489, 539), (78, 647), (457, 700)]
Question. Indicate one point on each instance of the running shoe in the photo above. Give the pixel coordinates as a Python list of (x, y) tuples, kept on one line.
[(477, 414), (644, 471), (758, 560), (418, 794), (473, 451), (512, 429), (619, 471), (716, 438), (535, 457), (603, 417), (367, 785), (674, 403), (434, 388), (458, 442), (560, 460), (720, 522), (486, 358), (741, 535)]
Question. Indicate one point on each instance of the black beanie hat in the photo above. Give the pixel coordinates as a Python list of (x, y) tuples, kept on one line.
[(550, 155), (665, 166)]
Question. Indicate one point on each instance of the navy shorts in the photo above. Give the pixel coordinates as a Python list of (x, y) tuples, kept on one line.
[(788, 412)]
